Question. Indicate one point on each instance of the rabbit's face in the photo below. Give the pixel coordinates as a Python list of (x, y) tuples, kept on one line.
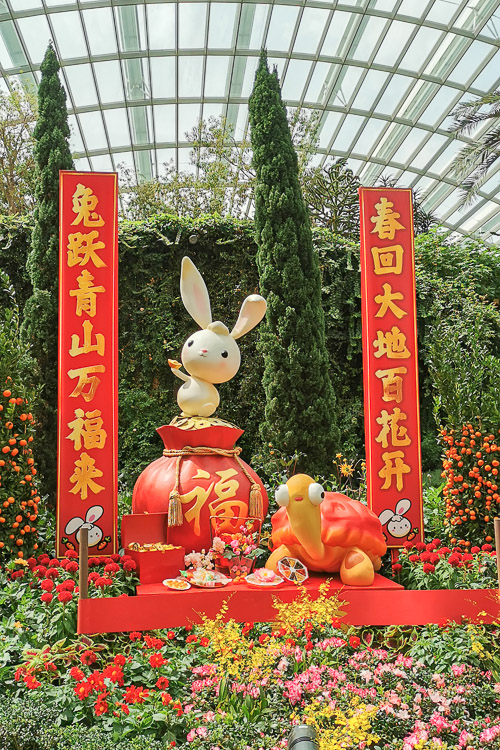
[(211, 356), (398, 526)]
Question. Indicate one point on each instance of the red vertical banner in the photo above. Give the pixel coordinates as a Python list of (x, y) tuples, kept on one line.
[(87, 442), (390, 363)]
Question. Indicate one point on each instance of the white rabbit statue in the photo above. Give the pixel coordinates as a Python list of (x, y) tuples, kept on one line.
[(212, 354)]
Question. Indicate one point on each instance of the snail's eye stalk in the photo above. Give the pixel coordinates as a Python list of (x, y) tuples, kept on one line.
[(281, 495), (316, 493)]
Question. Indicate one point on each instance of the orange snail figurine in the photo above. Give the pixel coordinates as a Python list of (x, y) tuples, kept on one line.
[(327, 531)]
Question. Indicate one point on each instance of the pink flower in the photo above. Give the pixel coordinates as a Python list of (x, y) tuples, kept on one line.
[(191, 735)]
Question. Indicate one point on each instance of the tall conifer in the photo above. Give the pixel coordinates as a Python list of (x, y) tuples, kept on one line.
[(52, 153), (300, 412)]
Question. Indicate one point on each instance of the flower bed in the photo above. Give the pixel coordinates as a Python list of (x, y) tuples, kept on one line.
[(436, 566), (225, 685)]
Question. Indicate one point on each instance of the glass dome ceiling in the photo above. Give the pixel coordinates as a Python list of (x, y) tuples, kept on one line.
[(384, 75)]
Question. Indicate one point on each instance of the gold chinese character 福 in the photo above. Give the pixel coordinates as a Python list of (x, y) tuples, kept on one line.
[(87, 345), (386, 302), (385, 221), (82, 248), (88, 430), (392, 383), (391, 343), (84, 475), (387, 259), (84, 204), (86, 294), (396, 469), (390, 428), (224, 489), (86, 378)]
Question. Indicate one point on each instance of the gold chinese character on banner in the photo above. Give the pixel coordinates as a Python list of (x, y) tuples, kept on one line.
[(390, 428), (82, 248), (86, 378), (84, 475), (386, 302), (392, 383), (387, 260), (84, 205), (224, 489), (87, 345), (394, 466), (392, 344), (386, 221), (88, 430), (86, 294)]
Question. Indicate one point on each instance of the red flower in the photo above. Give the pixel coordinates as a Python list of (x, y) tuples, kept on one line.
[(31, 682), (52, 573), (420, 546), (135, 694), (135, 635), (47, 585), (88, 657), (93, 576), (54, 563), (397, 567), (93, 561), (101, 707), (65, 596), (72, 567), (120, 660), (170, 635), (76, 673), (115, 558), (486, 547), (96, 679), (354, 641), (46, 597), (129, 566), (434, 558), (151, 642), (425, 557), (166, 698), (428, 568), (414, 558), (454, 560), (111, 568), (475, 550), (162, 683), (102, 582), (309, 646), (204, 641), (71, 554), (113, 673), (40, 571), (157, 660), (192, 639)]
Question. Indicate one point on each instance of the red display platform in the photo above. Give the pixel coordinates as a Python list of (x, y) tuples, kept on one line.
[(388, 604)]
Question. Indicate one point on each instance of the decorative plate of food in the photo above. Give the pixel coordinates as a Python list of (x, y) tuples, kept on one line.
[(263, 577), (293, 570), (177, 584), (209, 579)]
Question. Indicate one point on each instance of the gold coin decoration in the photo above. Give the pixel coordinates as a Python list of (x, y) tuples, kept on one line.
[(199, 423), (154, 547)]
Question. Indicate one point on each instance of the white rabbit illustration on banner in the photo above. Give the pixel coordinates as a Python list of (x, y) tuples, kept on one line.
[(76, 524), (210, 355), (397, 525)]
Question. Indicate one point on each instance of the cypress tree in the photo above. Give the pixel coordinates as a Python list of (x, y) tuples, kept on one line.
[(300, 411), (39, 331)]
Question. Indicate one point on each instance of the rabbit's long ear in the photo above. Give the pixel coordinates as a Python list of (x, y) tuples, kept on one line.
[(194, 293), (252, 311), (73, 525), (385, 516), (94, 513)]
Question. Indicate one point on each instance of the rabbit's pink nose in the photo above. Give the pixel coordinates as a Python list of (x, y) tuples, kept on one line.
[(203, 351)]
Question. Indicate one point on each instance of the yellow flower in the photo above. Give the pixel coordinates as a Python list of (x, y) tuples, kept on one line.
[(18, 625), (346, 469), (338, 455)]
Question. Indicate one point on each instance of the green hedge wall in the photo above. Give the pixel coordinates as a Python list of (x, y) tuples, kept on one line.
[(154, 324)]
